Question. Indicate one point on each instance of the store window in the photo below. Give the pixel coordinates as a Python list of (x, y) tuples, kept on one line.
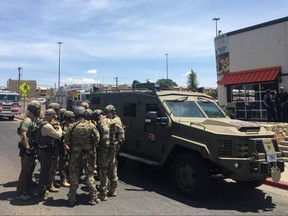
[(247, 100)]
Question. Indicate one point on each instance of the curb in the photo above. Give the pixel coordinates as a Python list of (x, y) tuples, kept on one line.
[(282, 185)]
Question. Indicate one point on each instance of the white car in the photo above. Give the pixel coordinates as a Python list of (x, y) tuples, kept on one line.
[(41, 100)]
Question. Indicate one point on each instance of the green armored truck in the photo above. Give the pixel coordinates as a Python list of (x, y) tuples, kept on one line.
[(188, 133)]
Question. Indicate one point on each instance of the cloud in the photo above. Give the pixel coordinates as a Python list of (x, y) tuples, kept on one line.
[(92, 71), (71, 80)]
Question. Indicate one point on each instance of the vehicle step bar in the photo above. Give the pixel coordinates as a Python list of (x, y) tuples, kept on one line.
[(143, 160)]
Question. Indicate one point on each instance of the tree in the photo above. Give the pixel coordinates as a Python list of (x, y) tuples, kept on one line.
[(192, 81), (168, 82), (135, 82)]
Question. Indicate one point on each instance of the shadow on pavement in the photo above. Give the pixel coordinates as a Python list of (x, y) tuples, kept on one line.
[(222, 196)]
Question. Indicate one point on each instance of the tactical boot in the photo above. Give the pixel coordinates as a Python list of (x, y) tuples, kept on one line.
[(94, 201), (64, 183), (53, 189), (112, 193), (102, 197)]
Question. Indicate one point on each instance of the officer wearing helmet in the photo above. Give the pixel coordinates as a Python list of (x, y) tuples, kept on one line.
[(49, 134), (116, 139), (56, 122), (88, 114), (26, 144), (104, 152), (61, 114), (68, 118), (82, 138)]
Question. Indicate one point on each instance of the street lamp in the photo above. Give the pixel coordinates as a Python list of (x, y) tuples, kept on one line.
[(216, 19), (166, 66), (18, 83), (59, 65)]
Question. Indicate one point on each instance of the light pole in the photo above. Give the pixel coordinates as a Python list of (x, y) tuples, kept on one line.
[(18, 83), (216, 20), (166, 66), (59, 65)]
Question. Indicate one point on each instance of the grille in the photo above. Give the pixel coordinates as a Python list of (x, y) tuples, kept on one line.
[(224, 148), (6, 107), (237, 148)]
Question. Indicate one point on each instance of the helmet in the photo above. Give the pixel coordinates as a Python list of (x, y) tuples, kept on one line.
[(88, 114), (54, 106), (50, 112), (62, 111), (79, 111), (110, 108), (85, 104), (34, 107), (96, 113), (69, 116)]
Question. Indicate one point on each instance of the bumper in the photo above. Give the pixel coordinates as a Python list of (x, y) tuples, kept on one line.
[(246, 170)]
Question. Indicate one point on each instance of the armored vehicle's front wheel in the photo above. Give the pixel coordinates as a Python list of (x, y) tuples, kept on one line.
[(190, 175)]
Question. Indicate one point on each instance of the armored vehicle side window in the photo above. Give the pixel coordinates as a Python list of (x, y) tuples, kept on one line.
[(211, 110), (154, 107), (129, 109), (184, 109)]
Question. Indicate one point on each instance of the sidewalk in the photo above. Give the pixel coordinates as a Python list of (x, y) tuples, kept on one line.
[(283, 183)]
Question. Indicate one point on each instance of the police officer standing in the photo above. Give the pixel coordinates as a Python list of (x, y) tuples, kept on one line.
[(103, 157), (82, 137), (49, 133), (116, 139), (28, 158), (68, 118)]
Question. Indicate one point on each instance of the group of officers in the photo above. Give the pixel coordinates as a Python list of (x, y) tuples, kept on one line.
[(276, 104), (72, 143)]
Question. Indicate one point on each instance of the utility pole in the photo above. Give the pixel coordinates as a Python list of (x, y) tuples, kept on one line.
[(18, 84), (116, 78), (166, 66), (59, 64)]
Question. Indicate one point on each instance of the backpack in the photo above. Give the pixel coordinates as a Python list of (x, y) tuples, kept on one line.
[(34, 134), (81, 133)]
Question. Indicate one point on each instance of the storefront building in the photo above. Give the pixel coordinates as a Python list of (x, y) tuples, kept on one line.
[(250, 61)]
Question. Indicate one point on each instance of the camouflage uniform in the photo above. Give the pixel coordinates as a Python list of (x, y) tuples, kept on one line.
[(28, 161), (116, 138), (68, 119), (103, 158), (49, 134), (82, 137), (56, 151)]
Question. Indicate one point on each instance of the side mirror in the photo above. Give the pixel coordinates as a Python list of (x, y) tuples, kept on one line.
[(151, 118)]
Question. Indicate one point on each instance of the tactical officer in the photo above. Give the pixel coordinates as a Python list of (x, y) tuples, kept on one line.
[(116, 139), (81, 137), (88, 114), (56, 148), (103, 157), (27, 154), (49, 133), (68, 118)]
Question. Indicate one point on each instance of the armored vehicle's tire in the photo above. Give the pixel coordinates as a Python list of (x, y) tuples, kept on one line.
[(11, 118), (250, 184), (190, 176)]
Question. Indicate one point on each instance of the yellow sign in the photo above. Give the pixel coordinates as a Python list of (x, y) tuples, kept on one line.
[(24, 87)]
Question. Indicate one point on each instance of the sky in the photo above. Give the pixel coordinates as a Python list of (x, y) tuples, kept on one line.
[(105, 41)]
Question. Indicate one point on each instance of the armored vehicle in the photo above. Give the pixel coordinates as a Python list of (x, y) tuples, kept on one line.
[(188, 133)]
